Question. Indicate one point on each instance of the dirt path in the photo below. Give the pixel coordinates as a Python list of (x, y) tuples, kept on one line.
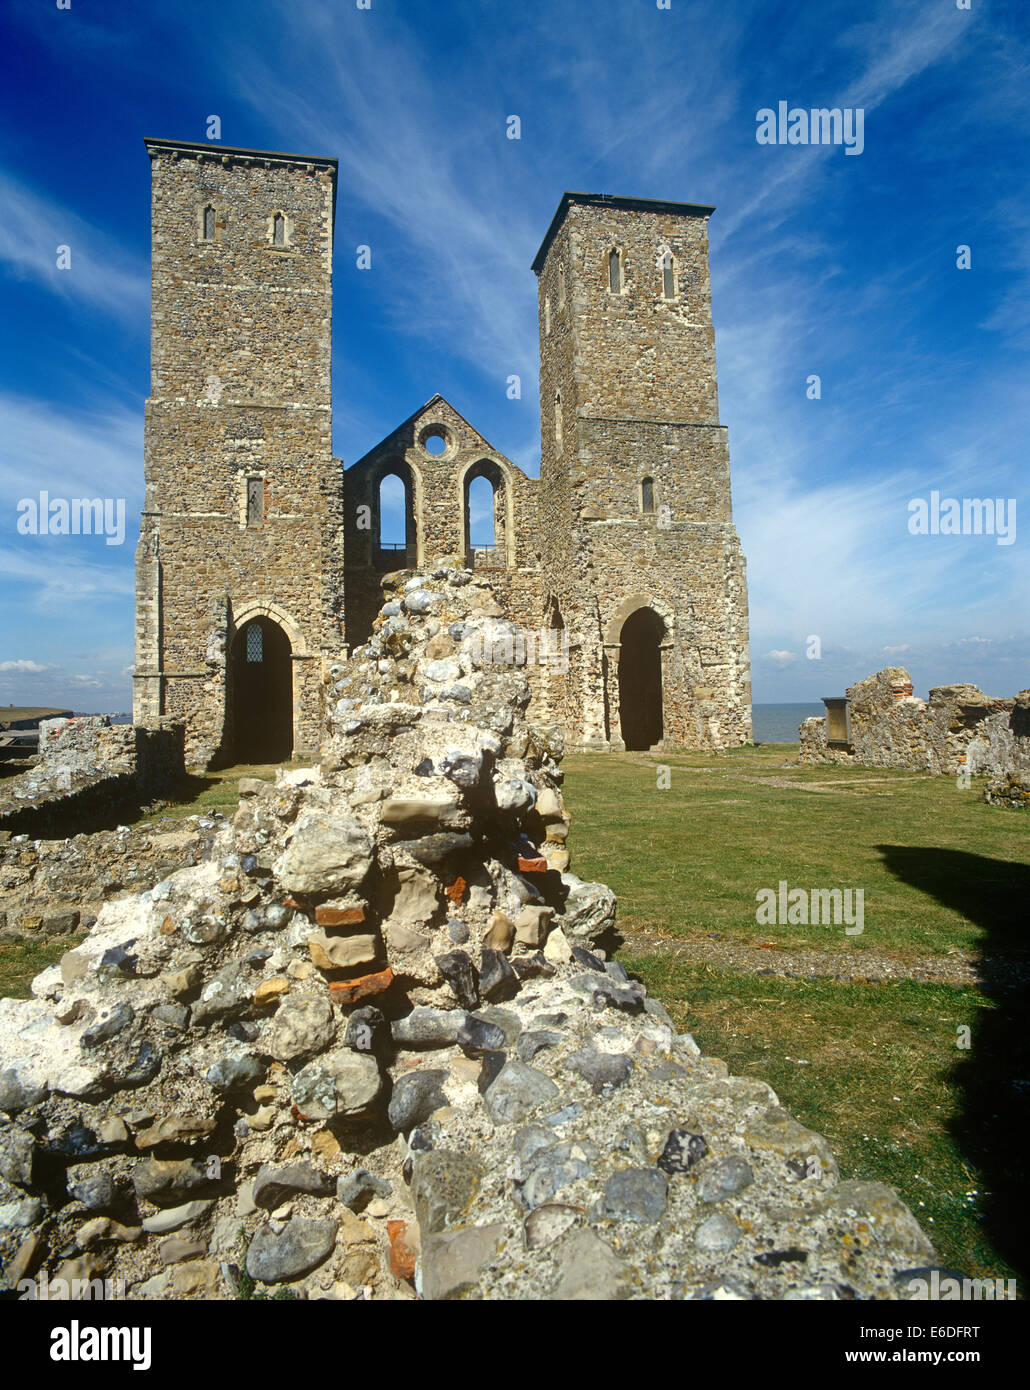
[(864, 967)]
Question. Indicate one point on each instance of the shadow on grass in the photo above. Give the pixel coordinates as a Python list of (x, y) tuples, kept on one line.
[(100, 806), (992, 1075), (14, 767), (185, 790)]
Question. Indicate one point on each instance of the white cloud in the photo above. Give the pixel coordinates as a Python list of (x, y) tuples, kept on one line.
[(24, 666), (69, 581), (456, 231), (100, 275), (780, 658), (70, 453)]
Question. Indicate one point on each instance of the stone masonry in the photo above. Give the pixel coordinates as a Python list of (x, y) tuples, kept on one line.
[(242, 513), (369, 1044), (89, 771), (959, 729), (260, 559)]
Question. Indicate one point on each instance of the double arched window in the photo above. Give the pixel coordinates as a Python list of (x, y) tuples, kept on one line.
[(279, 228)]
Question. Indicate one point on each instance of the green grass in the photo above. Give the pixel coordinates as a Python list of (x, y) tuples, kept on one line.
[(876, 1068), (203, 792), (21, 962), (695, 855)]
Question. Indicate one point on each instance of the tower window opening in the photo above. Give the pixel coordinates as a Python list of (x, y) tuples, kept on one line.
[(547, 315), (255, 645), (278, 230), (647, 495), (394, 518), (255, 501), (668, 277), (615, 271), (209, 223), (557, 419), (486, 505)]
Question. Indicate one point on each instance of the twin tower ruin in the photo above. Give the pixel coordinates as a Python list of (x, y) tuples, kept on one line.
[(261, 559)]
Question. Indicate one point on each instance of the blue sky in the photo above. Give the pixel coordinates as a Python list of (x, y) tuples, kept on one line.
[(822, 263)]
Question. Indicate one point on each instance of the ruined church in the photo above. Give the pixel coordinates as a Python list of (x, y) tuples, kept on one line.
[(261, 558)]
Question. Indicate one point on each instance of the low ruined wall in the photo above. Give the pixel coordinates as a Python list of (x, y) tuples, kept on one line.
[(87, 745), (959, 729), (1010, 791), (53, 887), (89, 773)]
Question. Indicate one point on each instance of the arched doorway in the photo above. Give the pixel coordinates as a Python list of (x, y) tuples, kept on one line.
[(640, 679), (262, 693)]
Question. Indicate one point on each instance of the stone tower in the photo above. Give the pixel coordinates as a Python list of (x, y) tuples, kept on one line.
[(239, 569), (643, 561)]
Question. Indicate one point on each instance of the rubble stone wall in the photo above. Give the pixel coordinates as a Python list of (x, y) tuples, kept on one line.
[(376, 1026), (50, 887), (959, 729), (89, 772)]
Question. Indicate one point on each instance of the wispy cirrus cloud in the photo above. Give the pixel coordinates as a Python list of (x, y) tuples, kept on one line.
[(100, 274), (455, 231), (68, 453)]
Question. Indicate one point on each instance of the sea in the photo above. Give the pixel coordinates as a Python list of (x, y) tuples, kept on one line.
[(779, 723), (772, 723)]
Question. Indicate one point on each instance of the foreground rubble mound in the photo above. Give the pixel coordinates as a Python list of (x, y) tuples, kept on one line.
[(370, 1045)]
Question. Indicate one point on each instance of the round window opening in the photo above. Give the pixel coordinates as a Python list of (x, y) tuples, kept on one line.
[(435, 440)]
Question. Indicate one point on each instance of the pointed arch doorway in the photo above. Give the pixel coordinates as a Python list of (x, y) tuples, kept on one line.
[(262, 693), (640, 680)]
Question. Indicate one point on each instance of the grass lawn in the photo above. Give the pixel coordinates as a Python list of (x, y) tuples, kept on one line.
[(213, 791), (21, 962), (691, 858), (877, 1068)]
